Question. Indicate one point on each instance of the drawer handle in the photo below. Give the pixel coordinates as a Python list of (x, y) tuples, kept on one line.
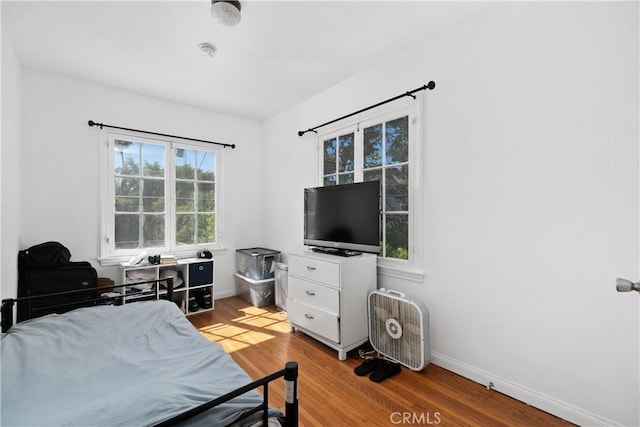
[(310, 293), (308, 316), (310, 268)]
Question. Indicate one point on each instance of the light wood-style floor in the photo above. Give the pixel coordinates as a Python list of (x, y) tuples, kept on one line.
[(330, 394)]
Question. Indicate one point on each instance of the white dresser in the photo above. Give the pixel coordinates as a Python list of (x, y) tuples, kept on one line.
[(327, 298)]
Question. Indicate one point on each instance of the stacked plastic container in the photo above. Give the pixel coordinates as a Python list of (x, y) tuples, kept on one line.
[(255, 277)]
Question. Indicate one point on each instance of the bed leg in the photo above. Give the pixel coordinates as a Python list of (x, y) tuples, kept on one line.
[(291, 394), (7, 314)]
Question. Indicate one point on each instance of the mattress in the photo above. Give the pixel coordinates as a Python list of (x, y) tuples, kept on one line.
[(136, 364)]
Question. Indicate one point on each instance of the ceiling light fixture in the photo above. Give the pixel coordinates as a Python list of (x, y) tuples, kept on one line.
[(208, 49), (226, 12)]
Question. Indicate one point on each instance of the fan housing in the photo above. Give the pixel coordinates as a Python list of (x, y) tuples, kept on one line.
[(399, 328)]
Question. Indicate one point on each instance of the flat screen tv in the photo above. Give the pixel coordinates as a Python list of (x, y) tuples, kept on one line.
[(343, 219)]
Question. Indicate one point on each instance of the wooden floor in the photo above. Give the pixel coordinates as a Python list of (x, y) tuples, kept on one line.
[(330, 394)]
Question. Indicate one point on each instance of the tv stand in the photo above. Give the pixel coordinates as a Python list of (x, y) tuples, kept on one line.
[(334, 251), (327, 298)]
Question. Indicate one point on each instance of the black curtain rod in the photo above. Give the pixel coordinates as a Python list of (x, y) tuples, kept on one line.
[(101, 125), (410, 93)]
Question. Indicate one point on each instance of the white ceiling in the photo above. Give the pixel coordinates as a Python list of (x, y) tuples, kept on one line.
[(281, 53)]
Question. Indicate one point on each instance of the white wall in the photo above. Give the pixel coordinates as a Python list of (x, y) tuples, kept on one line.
[(530, 154), (61, 163), (10, 161)]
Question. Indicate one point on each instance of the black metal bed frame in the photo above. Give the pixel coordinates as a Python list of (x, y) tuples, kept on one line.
[(290, 371), (6, 310)]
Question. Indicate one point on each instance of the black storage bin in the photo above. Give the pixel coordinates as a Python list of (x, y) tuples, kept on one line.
[(201, 273)]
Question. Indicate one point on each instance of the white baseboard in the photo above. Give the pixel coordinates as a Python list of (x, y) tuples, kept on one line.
[(531, 397), (225, 294)]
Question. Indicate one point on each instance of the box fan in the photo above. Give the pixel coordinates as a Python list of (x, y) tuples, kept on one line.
[(399, 328)]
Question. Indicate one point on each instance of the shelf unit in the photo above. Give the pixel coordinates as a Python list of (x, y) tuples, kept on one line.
[(193, 282)]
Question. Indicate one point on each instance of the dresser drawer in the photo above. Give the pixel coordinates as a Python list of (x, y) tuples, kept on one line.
[(313, 319), (315, 295), (315, 269)]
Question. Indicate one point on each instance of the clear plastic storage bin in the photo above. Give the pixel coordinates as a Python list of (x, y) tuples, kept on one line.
[(257, 263), (256, 292)]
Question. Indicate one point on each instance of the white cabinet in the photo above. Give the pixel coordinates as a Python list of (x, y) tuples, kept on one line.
[(327, 298), (193, 283)]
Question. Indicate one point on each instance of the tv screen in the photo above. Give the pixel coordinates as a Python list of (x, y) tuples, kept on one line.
[(343, 219)]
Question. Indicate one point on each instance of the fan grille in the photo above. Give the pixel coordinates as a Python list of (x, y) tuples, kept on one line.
[(402, 338)]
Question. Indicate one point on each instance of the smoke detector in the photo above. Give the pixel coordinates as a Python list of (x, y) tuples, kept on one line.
[(208, 49), (226, 12)]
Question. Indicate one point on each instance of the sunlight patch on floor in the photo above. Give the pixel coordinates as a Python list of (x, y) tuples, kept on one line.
[(254, 326), (256, 317)]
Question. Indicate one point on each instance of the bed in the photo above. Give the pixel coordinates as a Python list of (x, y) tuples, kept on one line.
[(135, 364)]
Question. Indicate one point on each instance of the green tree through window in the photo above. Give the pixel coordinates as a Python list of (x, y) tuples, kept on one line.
[(385, 158), (164, 196)]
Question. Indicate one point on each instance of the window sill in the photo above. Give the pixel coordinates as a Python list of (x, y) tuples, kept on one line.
[(117, 260), (401, 273)]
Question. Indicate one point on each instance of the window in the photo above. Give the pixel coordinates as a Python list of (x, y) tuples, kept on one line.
[(160, 197), (386, 158), (380, 148), (338, 160)]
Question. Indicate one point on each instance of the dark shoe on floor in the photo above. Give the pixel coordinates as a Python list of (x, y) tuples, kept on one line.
[(385, 370), (366, 367)]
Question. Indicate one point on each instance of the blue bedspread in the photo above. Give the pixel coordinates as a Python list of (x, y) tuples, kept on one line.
[(130, 365)]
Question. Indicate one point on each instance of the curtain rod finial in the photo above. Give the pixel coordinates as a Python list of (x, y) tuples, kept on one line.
[(91, 123), (302, 132), (431, 85)]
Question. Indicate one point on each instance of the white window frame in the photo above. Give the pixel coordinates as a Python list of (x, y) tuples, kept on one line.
[(411, 269), (109, 255)]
